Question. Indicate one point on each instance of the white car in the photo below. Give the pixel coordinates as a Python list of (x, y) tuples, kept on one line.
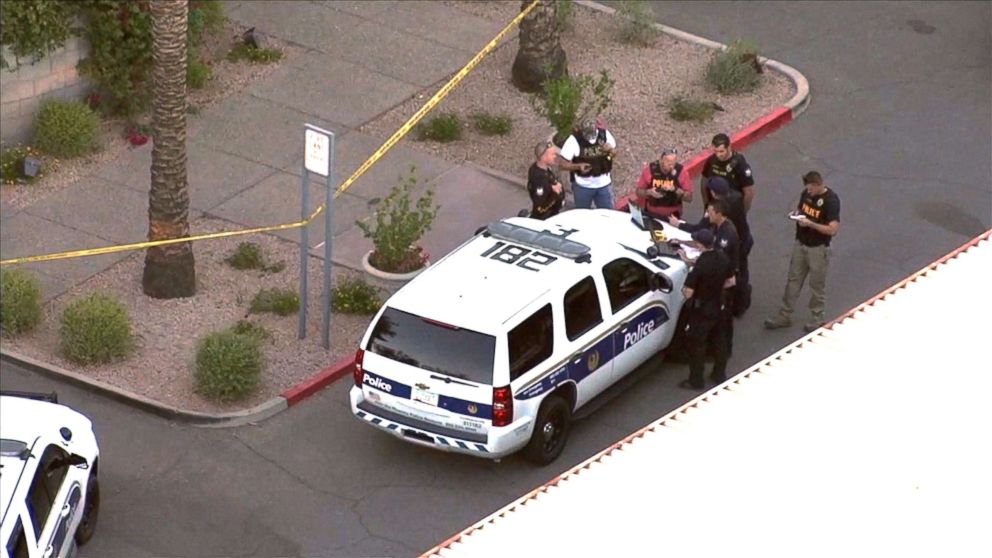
[(49, 493), (493, 348)]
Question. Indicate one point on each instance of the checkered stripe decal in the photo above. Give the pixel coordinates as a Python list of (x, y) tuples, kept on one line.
[(438, 439)]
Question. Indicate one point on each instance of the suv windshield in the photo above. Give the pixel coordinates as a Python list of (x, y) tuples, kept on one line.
[(441, 348)]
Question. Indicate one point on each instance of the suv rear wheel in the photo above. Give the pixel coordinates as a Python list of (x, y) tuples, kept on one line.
[(87, 525), (554, 420)]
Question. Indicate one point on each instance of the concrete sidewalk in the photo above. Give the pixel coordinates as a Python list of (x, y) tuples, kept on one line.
[(245, 154)]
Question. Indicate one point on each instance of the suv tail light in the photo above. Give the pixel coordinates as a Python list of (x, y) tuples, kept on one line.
[(502, 406), (359, 372)]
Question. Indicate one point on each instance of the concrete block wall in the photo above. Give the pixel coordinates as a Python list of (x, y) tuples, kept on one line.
[(23, 90)]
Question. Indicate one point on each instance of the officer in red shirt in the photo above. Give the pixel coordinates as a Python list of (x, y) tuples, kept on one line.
[(661, 187)]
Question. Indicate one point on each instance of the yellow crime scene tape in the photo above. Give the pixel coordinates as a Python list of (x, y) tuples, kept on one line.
[(371, 160)]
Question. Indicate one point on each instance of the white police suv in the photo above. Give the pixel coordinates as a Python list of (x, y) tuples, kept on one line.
[(49, 494), (494, 347)]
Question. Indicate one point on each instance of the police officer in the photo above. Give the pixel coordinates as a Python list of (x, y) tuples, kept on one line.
[(730, 165), (546, 193), (710, 275), (718, 222), (720, 189), (588, 154), (660, 186)]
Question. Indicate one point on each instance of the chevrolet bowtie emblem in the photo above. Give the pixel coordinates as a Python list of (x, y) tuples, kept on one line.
[(423, 386)]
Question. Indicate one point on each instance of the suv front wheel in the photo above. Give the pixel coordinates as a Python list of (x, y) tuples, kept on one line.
[(554, 420)]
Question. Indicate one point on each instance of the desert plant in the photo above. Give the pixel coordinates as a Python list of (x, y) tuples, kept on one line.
[(565, 16), (32, 30), (204, 15), (228, 365), (683, 109), (12, 165), (20, 301), (492, 124), (254, 54), (355, 296), (249, 255), (251, 329), (568, 100), (66, 128), (635, 23), (275, 300), (397, 227), (197, 72), (734, 70), (443, 128), (95, 329)]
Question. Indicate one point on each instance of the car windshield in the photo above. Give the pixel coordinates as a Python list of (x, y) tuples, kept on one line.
[(433, 346), (11, 448)]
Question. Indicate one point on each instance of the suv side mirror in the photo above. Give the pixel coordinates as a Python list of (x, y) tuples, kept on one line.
[(660, 282)]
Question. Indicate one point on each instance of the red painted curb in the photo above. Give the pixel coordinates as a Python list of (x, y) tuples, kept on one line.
[(319, 381), (747, 135)]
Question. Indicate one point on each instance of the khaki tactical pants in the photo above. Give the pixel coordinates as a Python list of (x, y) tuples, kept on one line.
[(812, 262)]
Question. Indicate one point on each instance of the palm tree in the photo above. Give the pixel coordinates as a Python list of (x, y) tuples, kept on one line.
[(540, 55), (169, 270)]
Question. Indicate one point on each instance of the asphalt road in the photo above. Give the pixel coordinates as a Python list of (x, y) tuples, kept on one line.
[(901, 126)]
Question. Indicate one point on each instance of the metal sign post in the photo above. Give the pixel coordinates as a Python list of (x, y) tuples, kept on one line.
[(318, 158)]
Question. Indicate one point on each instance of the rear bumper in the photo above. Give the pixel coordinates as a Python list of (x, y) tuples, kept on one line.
[(499, 443)]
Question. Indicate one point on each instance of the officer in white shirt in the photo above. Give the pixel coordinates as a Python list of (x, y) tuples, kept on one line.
[(588, 154)]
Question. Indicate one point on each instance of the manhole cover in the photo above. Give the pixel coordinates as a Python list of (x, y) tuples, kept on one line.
[(921, 26)]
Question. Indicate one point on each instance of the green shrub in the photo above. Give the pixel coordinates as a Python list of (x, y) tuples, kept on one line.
[(32, 29), (20, 301), (249, 255), (444, 128), (565, 15), (66, 128), (251, 329), (567, 100), (734, 70), (492, 125), (244, 51), (95, 329), (398, 227), (355, 296), (682, 109), (635, 23), (205, 15), (228, 365), (12, 165), (197, 73), (278, 301)]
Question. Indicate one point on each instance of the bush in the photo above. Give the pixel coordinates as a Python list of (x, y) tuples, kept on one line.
[(568, 100), (565, 15), (492, 125), (248, 255), (398, 227), (228, 365), (20, 301), (443, 128), (244, 51), (66, 128), (278, 301), (682, 109), (205, 15), (251, 329), (12, 165), (355, 296), (197, 73), (734, 70), (95, 329), (635, 24), (32, 29)]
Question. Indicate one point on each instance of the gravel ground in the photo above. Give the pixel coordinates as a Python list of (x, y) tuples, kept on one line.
[(646, 78), (166, 331), (227, 78)]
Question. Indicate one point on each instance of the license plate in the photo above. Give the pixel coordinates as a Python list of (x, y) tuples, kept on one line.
[(424, 396)]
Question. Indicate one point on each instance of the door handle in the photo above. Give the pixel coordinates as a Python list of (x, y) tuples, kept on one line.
[(50, 551), (65, 511), (576, 358)]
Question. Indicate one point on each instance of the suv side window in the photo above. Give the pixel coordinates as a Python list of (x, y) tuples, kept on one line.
[(531, 342), (626, 281), (52, 469), (582, 311), (17, 546)]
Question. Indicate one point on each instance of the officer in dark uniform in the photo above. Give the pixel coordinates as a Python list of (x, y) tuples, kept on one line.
[(711, 273), (730, 165), (546, 193), (720, 189)]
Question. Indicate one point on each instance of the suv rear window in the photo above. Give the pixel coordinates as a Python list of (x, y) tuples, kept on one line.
[(445, 349)]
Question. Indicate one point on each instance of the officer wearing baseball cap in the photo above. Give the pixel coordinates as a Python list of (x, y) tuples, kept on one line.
[(711, 273), (721, 190)]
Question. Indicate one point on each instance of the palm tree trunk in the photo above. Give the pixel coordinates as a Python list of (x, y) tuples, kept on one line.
[(540, 56), (169, 270)]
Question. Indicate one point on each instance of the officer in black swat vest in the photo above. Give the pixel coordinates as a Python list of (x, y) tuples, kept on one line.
[(592, 148), (546, 193), (660, 186)]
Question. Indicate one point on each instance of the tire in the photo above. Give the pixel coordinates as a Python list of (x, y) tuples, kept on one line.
[(554, 421), (91, 511)]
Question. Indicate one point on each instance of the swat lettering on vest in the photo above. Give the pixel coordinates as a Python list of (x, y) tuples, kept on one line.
[(810, 211), (642, 331)]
